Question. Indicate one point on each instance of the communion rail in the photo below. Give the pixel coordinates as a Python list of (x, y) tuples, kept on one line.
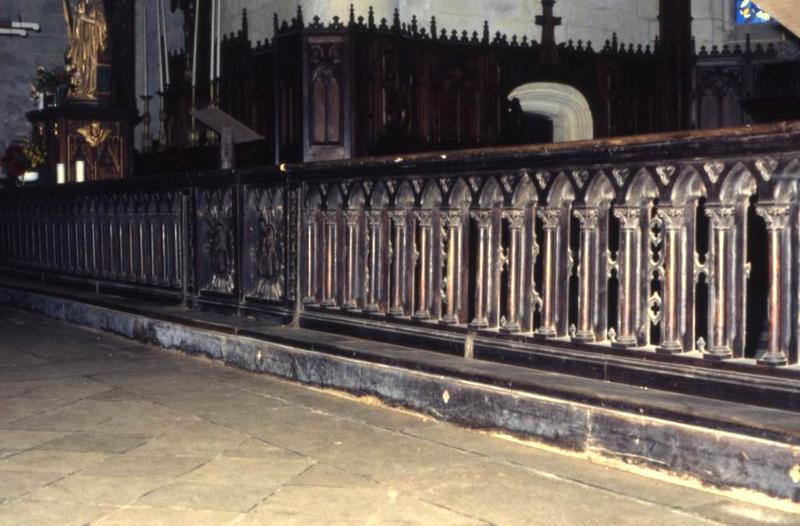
[(673, 244)]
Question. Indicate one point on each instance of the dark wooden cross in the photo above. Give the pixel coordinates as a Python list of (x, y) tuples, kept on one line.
[(548, 22)]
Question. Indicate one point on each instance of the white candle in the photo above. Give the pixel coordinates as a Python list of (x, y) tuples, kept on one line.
[(80, 174), (61, 173), (144, 47)]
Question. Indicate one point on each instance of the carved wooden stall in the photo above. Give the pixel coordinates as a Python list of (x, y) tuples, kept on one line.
[(358, 86), (742, 85), (653, 252)]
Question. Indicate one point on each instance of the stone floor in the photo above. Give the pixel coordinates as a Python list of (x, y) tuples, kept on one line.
[(96, 429)]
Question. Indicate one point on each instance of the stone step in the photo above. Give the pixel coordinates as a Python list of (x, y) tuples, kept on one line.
[(722, 443)]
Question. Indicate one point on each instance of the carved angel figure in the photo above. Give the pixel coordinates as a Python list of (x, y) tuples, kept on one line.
[(86, 36)]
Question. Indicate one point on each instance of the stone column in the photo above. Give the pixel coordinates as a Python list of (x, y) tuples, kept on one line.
[(777, 219), (398, 218), (351, 219), (484, 220), (588, 273), (672, 219), (551, 219), (628, 253), (516, 220), (722, 221), (331, 252), (375, 222), (425, 219), (312, 246), (454, 232)]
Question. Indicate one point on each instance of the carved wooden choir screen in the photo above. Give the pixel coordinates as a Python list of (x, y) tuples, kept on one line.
[(595, 243)]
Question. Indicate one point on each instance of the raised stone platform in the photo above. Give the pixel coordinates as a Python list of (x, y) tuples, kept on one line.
[(721, 443)]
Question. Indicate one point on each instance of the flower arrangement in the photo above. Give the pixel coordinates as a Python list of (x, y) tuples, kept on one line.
[(34, 154), (50, 84), (14, 161), (21, 157)]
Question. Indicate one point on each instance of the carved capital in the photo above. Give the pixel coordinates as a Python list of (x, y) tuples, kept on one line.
[(628, 217), (375, 218), (672, 217), (451, 218), (587, 217), (330, 216), (398, 216), (483, 217), (515, 217), (776, 216), (311, 217), (425, 217), (351, 217), (550, 217), (722, 217)]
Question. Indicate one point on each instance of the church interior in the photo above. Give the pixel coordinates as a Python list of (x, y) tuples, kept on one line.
[(521, 259)]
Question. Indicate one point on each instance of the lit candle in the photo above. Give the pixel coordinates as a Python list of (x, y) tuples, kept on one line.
[(80, 175), (61, 173)]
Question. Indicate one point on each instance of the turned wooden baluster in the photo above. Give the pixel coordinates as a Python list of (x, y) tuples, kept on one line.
[(398, 218), (672, 219), (425, 218), (628, 251), (452, 219), (777, 219), (551, 221), (331, 249), (722, 222), (312, 248), (375, 222), (588, 273), (351, 219), (516, 220), (484, 220)]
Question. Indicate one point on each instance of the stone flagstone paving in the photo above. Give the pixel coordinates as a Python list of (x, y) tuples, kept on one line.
[(96, 429)]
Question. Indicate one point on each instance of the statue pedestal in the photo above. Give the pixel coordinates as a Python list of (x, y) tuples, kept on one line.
[(85, 131)]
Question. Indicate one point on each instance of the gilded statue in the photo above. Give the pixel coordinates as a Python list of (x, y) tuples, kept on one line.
[(86, 35)]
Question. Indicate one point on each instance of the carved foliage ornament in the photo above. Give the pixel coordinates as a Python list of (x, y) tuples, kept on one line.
[(543, 178), (620, 175), (587, 217), (766, 167), (714, 170), (665, 173)]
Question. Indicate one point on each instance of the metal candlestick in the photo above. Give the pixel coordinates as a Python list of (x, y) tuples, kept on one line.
[(146, 139)]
